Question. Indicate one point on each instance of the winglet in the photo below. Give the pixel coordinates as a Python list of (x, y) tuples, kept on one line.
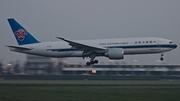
[(63, 39), (59, 37)]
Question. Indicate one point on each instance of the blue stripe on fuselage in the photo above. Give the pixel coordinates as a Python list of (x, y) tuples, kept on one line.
[(124, 47), (145, 46), (64, 49)]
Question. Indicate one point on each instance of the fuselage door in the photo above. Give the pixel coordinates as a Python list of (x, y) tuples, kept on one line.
[(159, 43)]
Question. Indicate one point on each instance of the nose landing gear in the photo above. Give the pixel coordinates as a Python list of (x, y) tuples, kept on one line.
[(162, 57)]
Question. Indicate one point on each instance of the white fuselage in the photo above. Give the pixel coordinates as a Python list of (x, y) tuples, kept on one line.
[(147, 45)]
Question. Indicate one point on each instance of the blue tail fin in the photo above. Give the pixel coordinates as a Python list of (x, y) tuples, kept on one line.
[(22, 35)]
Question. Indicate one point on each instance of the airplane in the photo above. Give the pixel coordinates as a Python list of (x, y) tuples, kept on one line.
[(110, 48)]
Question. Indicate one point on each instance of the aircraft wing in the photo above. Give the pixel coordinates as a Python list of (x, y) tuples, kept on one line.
[(83, 47), (18, 47)]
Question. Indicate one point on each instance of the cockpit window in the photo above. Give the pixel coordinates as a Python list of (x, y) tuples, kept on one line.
[(171, 42)]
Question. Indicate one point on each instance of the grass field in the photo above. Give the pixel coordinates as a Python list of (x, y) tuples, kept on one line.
[(88, 93), (89, 90)]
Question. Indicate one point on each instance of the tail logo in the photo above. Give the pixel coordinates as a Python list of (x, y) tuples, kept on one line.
[(21, 34)]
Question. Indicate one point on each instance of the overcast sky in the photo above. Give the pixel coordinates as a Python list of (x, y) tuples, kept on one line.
[(92, 19)]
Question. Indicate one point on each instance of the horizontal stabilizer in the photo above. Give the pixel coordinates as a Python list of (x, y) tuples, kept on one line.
[(21, 48)]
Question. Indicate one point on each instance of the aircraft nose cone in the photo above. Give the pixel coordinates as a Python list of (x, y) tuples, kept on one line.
[(175, 45)]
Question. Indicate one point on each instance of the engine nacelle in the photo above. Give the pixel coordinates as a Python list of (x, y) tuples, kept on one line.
[(115, 53)]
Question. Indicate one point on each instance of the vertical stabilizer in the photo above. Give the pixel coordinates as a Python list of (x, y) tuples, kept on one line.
[(22, 35)]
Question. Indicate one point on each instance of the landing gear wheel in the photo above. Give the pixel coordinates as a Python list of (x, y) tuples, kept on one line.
[(92, 62), (96, 61), (88, 64), (161, 58)]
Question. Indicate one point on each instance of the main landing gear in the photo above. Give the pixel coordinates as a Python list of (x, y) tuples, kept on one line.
[(162, 57), (92, 61)]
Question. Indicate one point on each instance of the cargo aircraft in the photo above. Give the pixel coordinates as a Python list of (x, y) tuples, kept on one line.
[(110, 48)]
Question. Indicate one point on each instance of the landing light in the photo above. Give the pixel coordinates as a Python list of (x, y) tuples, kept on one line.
[(158, 60), (135, 60), (111, 60), (93, 71), (9, 64), (87, 60)]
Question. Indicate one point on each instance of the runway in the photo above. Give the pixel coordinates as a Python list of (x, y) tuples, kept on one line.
[(89, 83)]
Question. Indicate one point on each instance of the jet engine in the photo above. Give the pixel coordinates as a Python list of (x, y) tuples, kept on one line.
[(115, 53)]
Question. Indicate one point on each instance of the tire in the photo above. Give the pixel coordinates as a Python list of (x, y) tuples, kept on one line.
[(88, 63), (161, 58), (95, 61)]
